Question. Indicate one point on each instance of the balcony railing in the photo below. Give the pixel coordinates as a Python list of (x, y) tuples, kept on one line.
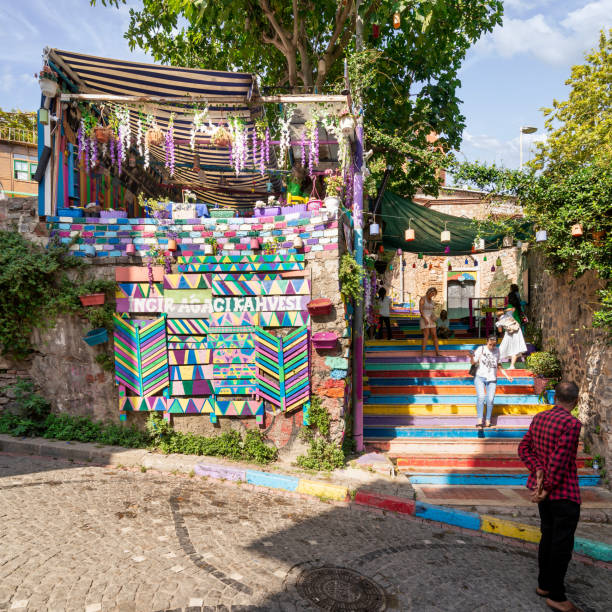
[(18, 135)]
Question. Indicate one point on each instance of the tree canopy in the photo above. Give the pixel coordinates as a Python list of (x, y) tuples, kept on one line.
[(408, 74), (18, 119), (570, 181)]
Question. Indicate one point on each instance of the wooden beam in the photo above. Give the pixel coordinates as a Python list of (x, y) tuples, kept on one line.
[(280, 99)]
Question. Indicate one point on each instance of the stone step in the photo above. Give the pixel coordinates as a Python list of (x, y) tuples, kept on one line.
[(438, 410)]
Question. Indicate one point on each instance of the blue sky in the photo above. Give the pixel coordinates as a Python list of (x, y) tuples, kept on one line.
[(507, 77)]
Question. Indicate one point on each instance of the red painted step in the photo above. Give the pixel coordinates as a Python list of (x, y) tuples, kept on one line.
[(405, 462)]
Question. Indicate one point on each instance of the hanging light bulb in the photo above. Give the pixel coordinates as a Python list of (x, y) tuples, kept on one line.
[(484, 258), (447, 250), (475, 263), (425, 265), (492, 268), (397, 21), (449, 266), (445, 236), (414, 265), (466, 261), (420, 255), (498, 261)]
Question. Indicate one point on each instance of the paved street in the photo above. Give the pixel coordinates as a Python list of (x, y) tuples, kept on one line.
[(86, 538)]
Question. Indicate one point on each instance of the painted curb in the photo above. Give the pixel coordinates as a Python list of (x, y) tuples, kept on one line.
[(220, 472), (597, 550), (510, 529), (440, 514), (400, 505), (322, 489), (272, 481)]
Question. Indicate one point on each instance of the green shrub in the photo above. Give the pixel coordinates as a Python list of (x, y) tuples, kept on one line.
[(544, 363), (322, 455)]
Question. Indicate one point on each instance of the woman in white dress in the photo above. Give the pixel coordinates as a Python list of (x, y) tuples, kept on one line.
[(513, 343), (428, 321)]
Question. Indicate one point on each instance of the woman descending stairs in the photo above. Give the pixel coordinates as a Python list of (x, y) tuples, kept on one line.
[(421, 411)]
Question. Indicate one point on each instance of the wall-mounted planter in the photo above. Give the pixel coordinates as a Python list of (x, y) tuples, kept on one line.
[(319, 307), (254, 244), (325, 340), (332, 203), (130, 249), (92, 299), (96, 336)]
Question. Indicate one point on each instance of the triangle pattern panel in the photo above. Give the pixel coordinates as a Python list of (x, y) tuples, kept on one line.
[(138, 290), (187, 281)]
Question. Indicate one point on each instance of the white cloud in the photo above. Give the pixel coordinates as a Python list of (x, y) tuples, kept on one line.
[(486, 148), (558, 43)]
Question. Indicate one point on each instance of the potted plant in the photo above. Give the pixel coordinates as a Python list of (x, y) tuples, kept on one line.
[(545, 366), (220, 137), (48, 81), (210, 246), (254, 244), (325, 340), (92, 299), (130, 249), (347, 122), (272, 208), (319, 307), (333, 190), (172, 236), (96, 336)]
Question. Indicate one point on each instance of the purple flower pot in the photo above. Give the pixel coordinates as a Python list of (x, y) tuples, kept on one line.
[(325, 340), (271, 211), (296, 208)]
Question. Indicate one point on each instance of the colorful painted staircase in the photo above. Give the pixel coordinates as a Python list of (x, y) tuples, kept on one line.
[(421, 411)]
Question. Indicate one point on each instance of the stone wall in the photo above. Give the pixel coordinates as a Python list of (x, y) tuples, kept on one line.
[(563, 307), (21, 214), (417, 278)]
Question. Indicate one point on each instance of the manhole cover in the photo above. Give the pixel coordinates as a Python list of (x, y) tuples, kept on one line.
[(339, 589)]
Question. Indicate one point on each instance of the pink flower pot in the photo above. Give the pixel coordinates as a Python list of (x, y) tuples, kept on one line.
[(130, 249), (325, 340)]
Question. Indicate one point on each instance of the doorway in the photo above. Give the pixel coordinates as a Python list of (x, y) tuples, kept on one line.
[(458, 294)]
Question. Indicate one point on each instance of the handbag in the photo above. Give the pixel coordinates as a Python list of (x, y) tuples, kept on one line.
[(512, 327), (473, 369)]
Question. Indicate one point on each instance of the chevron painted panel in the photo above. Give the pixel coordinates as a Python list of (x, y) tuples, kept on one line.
[(141, 358), (187, 326)]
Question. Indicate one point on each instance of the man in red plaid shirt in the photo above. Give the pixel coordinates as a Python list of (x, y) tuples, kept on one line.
[(549, 450)]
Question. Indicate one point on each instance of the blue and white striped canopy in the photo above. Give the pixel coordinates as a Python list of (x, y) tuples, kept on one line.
[(96, 75)]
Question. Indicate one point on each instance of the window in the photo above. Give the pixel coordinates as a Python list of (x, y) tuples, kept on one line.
[(33, 168), (21, 170)]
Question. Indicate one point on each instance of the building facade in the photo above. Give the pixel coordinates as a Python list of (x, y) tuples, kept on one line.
[(18, 162)]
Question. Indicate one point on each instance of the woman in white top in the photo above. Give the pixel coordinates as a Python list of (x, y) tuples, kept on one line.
[(428, 322), (513, 343), (487, 358)]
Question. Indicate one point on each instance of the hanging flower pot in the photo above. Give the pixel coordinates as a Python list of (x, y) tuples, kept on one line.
[(325, 340), (347, 123), (92, 299), (314, 204), (171, 244), (130, 249), (541, 236), (155, 136), (319, 307), (577, 230), (220, 137), (102, 133), (254, 244), (298, 243), (96, 336), (507, 241), (332, 204), (397, 20)]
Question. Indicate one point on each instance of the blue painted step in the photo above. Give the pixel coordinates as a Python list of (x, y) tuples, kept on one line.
[(401, 346), (448, 399), (515, 480), (442, 432)]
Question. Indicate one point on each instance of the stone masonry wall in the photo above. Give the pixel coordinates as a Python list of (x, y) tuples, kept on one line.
[(563, 307)]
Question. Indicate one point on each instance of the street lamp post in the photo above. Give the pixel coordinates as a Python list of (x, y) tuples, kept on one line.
[(524, 130)]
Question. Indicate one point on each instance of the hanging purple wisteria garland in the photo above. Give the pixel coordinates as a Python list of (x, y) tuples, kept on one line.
[(170, 149)]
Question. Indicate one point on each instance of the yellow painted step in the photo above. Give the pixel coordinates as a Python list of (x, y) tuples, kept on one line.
[(450, 409), (417, 341)]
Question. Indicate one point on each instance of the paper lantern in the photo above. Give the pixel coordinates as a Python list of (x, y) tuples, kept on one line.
[(577, 230), (374, 229), (397, 21), (541, 236), (409, 235), (445, 236), (479, 244)]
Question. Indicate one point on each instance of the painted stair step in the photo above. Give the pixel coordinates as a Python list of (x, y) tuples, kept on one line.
[(443, 432), (449, 409), (399, 420), (412, 346), (452, 399), (464, 389), (443, 446), (514, 480), (423, 463), (423, 376), (394, 345), (459, 360), (425, 366)]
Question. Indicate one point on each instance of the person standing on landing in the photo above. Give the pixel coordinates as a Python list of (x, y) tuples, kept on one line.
[(384, 313), (549, 450), (513, 343), (485, 379), (427, 322)]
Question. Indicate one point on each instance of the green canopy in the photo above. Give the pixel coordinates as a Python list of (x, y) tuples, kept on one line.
[(427, 225)]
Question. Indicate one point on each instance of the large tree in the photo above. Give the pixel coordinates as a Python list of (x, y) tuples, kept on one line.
[(408, 74), (570, 181)]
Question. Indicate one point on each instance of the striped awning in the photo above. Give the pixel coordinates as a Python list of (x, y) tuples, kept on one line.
[(96, 75)]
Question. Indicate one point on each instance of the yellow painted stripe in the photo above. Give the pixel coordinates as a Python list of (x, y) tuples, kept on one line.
[(492, 524), (322, 489), (449, 409)]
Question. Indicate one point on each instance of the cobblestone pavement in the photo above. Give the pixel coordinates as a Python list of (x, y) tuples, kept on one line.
[(85, 538)]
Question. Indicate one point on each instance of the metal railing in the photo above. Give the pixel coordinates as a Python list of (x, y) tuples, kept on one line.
[(18, 135)]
